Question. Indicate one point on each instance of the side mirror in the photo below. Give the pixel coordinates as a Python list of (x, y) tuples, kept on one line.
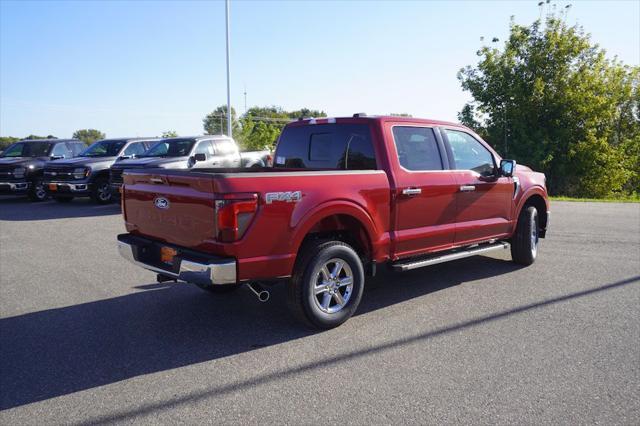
[(125, 157), (57, 157), (200, 157), (507, 167)]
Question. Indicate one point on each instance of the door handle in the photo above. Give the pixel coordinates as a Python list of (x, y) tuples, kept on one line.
[(411, 191), (467, 188)]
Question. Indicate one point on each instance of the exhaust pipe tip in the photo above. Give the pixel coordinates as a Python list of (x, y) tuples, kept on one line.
[(262, 294)]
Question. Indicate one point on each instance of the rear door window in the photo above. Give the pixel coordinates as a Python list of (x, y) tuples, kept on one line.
[(417, 148), (326, 146)]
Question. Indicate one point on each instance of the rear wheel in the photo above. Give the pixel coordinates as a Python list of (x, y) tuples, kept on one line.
[(101, 192), (327, 284), (524, 244), (37, 192), (61, 199)]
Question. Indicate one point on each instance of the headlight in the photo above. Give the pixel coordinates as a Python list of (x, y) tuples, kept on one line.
[(81, 172), (19, 172)]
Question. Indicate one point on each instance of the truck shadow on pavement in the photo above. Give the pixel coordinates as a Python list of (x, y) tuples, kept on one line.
[(160, 327), (19, 209)]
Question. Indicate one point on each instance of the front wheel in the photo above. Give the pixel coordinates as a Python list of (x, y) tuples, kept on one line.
[(101, 193), (327, 284), (524, 244), (37, 191)]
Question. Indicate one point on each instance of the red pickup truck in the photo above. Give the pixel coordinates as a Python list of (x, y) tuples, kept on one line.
[(343, 196)]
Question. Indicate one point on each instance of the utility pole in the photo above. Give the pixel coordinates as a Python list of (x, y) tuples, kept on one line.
[(229, 133), (245, 98)]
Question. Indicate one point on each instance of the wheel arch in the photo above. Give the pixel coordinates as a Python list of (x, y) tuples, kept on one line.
[(535, 198), (342, 221)]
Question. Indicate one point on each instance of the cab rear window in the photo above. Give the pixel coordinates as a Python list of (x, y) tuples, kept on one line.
[(326, 146)]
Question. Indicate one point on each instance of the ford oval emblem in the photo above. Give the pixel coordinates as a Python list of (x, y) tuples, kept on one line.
[(161, 203)]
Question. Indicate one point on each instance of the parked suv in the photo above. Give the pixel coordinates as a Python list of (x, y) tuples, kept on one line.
[(22, 163), (197, 152), (88, 174)]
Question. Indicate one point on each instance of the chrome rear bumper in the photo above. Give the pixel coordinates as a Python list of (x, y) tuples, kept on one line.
[(218, 272)]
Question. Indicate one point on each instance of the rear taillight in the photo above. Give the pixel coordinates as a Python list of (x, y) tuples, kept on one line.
[(234, 213)]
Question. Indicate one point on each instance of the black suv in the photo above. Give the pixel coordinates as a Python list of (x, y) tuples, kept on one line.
[(88, 174), (22, 163)]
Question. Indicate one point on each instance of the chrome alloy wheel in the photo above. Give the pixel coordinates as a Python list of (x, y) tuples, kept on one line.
[(534, 234), (333, 286)]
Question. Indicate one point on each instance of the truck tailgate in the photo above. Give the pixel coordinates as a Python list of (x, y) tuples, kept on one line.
[(167, 207)]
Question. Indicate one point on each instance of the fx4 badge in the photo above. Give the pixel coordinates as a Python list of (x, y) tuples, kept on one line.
[(287, 197)]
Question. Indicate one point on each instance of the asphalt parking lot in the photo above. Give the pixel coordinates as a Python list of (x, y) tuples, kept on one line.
[(88, 338)]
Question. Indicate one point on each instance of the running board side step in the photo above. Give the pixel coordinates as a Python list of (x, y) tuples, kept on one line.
[(408, 265)]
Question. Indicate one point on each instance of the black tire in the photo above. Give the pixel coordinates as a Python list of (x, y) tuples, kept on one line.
[(302, 299), (221, 289), (524, 243), (61, 199), (101, 192), (37, 191)]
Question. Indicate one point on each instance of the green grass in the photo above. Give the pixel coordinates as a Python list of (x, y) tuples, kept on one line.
[(630, 199)]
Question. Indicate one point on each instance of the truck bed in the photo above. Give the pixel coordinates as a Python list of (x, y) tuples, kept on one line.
[(281, 218)]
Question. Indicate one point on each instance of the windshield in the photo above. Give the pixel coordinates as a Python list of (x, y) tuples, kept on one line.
[(27, 149), (103, 149), (172, 148)]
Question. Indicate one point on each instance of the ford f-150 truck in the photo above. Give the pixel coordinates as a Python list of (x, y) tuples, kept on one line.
[(344, 195), (195, 152), (22, 163), (87, 175)]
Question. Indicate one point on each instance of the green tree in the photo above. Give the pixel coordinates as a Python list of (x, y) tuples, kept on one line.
[(551, 99), (259, 135), (169, 134), (5, 141), (306, 113), (40, 137), (261, 126), (88, 136), (215, 123)]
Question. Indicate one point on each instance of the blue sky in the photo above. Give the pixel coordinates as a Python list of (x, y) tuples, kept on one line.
[(143, 67)]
